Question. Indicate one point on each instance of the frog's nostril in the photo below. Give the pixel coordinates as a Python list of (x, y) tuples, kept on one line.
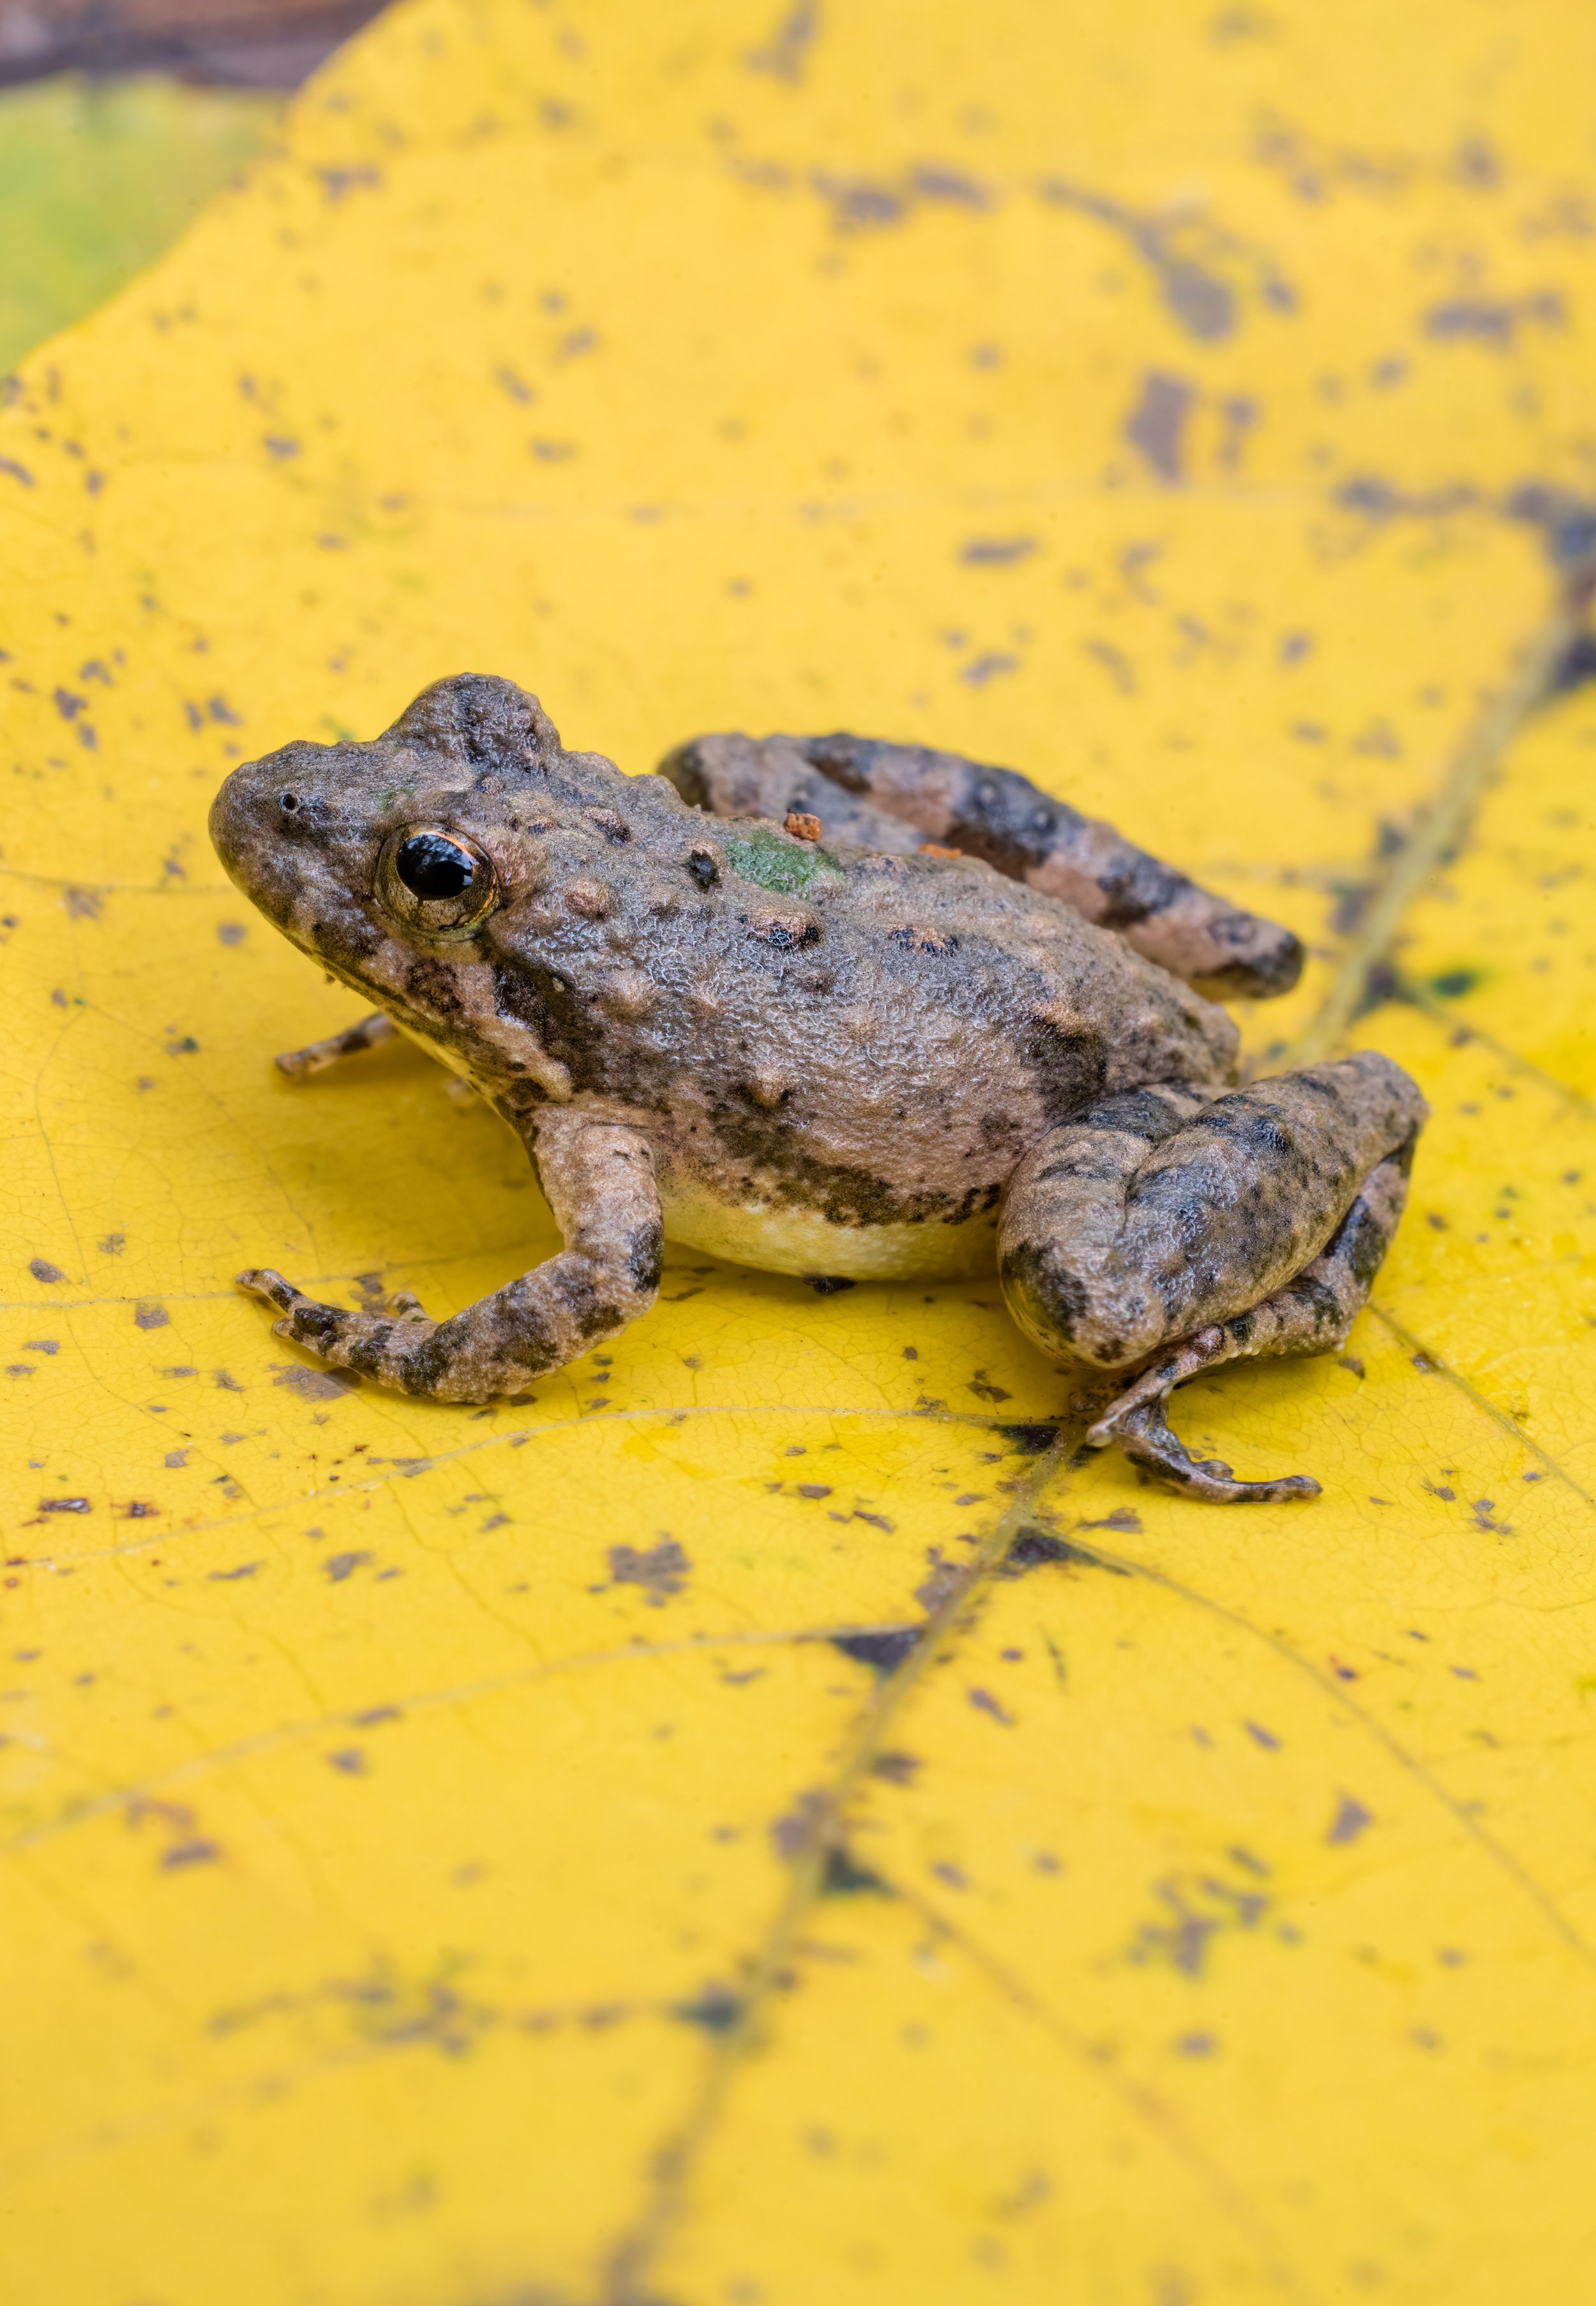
[(288, 802)]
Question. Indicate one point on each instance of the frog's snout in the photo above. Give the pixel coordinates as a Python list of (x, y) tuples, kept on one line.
[(268, 825), (236, 832)]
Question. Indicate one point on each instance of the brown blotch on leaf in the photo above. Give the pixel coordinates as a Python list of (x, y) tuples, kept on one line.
[(315, 1384), (661, 1570)]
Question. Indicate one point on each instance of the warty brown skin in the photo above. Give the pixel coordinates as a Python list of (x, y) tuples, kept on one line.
[(813, 1054), (896, 796)]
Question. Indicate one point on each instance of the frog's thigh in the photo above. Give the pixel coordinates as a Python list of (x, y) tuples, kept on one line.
[(1162, 1212), (1310, 1315), (599, 1182)]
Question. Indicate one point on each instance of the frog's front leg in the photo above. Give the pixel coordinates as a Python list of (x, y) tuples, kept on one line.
[(1166, 1230), (316, 1056), (599, 1181)]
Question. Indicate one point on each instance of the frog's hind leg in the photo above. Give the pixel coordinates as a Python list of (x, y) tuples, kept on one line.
[(1164, 1232), (904, 797), (1310, 1315), (317, 1057)]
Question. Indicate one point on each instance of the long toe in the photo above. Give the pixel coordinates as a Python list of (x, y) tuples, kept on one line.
[(271, 1286), (1145, 1438)]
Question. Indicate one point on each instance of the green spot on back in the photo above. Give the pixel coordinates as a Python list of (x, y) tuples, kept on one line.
[(789, 867)]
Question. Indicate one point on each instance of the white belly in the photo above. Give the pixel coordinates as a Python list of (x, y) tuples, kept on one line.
[(798, 1241)]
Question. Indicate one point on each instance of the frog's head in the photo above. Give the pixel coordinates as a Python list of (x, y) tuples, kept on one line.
[(410, 866), (346, 846)]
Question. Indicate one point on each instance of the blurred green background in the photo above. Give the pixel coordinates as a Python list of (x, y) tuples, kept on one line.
[(96, 176), (118, 119)]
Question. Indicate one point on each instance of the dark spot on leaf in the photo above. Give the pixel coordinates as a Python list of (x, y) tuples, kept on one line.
[(717, 2009), (794, 1830), (1156, 427), (1033, 1547), (845, 1877), (996, 551), (339, 1566), (985, 1703), (982, 1387), (315, 1384), (1030, 1440), (1349, 1821), (898, 1769), (976, 674), (661, 1570), (885, 1651)]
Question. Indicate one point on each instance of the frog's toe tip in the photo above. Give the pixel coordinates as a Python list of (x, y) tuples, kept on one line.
[(1289, 1488)]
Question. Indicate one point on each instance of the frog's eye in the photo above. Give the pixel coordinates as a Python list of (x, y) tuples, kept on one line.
[(431, 865), (436, 880)]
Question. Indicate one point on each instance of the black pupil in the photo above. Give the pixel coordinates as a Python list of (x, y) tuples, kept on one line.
[(430, 866)]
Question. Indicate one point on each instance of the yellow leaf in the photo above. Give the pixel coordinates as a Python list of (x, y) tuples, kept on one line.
[(760, 1824)]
